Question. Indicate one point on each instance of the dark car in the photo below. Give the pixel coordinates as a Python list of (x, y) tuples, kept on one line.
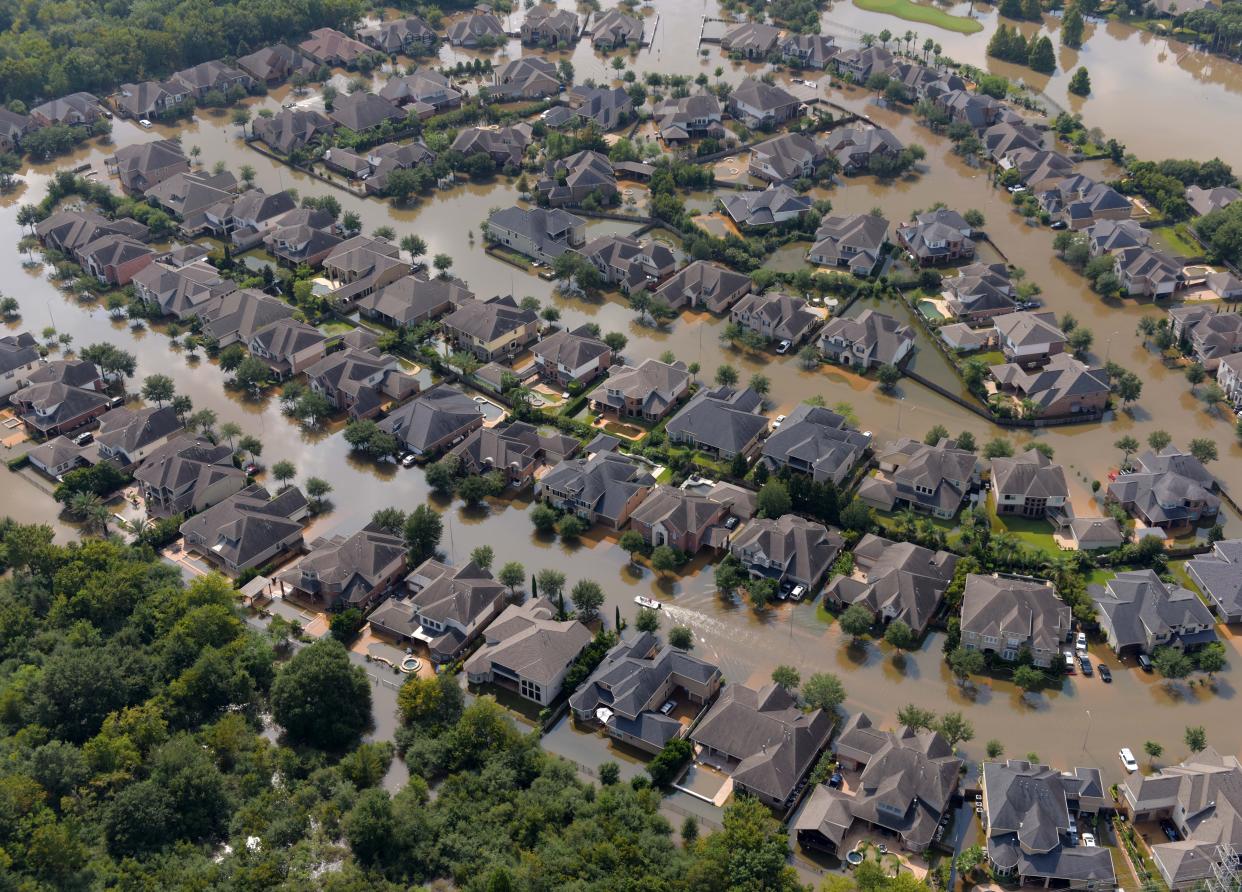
[(836, 780), (1084, 664), (1145, 662), (1169, 830), (1106, 674)]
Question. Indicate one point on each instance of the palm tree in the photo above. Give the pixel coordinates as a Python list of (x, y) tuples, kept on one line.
[(230, 430), (928, 46)]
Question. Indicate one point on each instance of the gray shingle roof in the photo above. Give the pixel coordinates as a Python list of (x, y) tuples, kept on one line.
[(816, 439), (528, 640), (788, 547), (1141, 609), (899, 580), (1005, 607), (1031, 475), (433, 416), (722, 418)]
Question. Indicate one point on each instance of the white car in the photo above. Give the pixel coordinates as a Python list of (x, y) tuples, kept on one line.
[(1080, 643), (144, 123), (783, 346), (798, 592), (778, 421), (1127, 759), (1088, 839)]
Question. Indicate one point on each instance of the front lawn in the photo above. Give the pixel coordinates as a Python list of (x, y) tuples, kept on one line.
[(918, 12), (1173, 239)]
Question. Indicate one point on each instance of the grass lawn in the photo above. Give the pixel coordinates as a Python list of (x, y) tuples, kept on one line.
[(1100, 575), (1176, 242), (1034, 531), (991, 357), (336, 328), (917, 12)]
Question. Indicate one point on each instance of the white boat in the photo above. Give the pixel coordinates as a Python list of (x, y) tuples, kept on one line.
[(649, 603)]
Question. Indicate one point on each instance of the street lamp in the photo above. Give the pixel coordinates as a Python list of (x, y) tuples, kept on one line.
[(1088, 732)]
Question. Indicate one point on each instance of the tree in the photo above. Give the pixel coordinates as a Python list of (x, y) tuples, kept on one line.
[(1157, 440), (856, 621), (284, 471), (1080, 83), (664, 559), (442, 263), (760, 384), (1195, 373), (414, 245), (441, 476), (995, 749), (1072, 26), (681, 637), (1028, 678), (787, 677), (954, 727), (631, 541), (997, 448), (761, 592), (251, 375), (543, 518), (1171, 663), (749, 852), (512, 574), (158, 388), (1196, 738), (726, 376), (1204, 449), (823, 690), (1128, 446), (551, 583), (1129, 387), (423, 529), (935, 435), (1211, 659), (344, 626), (317, 490), (648, 620), (1080, 340), (482, 556), (1154, 751), (430, 702), (571, 527), (965, 663), (888, 375), (587, 597), (900, 635), (474, 489), (320, 698), (773, 500), (616, 341)]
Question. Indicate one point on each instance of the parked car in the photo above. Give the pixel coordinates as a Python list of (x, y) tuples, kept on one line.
[(731, 522), (252, 468), (116, 402), (408, 459), (1128, 760), (84, 439), (798, 592), (1071, 665), (1106, 674), (1080, 643), (778, 421), (144, 124), (669, 706), (1170, 830), (1144, 662), (836, 780), (1088, 839), (1058, 224), (1084, 662), (783, 346)]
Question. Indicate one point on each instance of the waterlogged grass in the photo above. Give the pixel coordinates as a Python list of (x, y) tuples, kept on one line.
[(923, 14)]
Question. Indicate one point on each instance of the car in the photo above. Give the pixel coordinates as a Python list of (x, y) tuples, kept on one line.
[(116, 402), (1144, 662), (144, 123), (1170, 830), (778, 421), (252, 468), (1016, 190), (669, 706), (1080, 643), (408, 460), (1127, 759), (84, 439), (798, 592), (1088, 839), (1106, 674), (1070, 665), (1059, 224), (836, 780), (783, 346), (731, 522), (1073, 825), (1084, 663)]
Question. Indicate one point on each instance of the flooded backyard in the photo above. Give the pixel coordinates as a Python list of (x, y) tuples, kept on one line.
[(1087, 721)]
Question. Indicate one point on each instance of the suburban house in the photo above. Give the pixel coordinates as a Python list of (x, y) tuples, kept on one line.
[(603, 489), (775, 316), (526, 77), (870, 340), (859, 64), (638, 676), (722, 421), (444, 607), (543, 234), (19, 356), (115, 259), (409, 35), (756, 208), (787, 157), (1202, 798), (573, 179), (181, 291), (516, 451), (1171, 491), (492, 328), (426, 92), (856, 242), (752, 40), (275, 64), (680, 120), (1091, 533), (854, 146), (434, 420), (550, 28), (1030, 485), (13, 128), (613, 29), (58, 456), (606, 107), (359, 266), (363, 111), (476, 30), (1211, 334), (70, 231), (213, 76), (682, 520), (147, 164), (649, 391), (1204, 201), (571, 357), (1027, 337), (235, 317), (977, 110), (152, 99), (413, 300), (932, 479), (906, 787), (361, 382), (1110, 236), (302, 236), (764, 740), (189, 195), (936, 237), (807, 50), (760, 104), (789, 549), (343, 572), (74, 110), (289, 347), (980, 292), (248, 529), (292, 129), (1027, 818), (127, 436), (816, 441), (505, 145), (628, 263), (1005, 615), (1139, 612), (60, 396), (330, 47), (1146, 272), (1219, 577), (1061, 386), (704, 284), (895, 581), (528, 650), (1002, 141), (188, 475)]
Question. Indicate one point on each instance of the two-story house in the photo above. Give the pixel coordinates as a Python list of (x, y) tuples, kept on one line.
[(1009, 615)]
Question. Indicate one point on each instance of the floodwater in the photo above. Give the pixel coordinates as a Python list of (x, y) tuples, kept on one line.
[(746, 645)]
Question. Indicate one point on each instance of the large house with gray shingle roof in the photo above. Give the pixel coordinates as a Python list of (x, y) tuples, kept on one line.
[(704, 284), (540, 233), (572, 179), (682, 520), (1219, 576), (871, 339), (400, 36), (816, 441), (906, 787), (628, 263), (1029, 484), (60, 396), (807, 50), (1005, 615), (1172, 491), (613, 29), (854, 146), (789, 549), (757, 208), (856, 242), (187, 475), (361, 382), (434, 420), (141, 166), (476, 30), (491, 329), (292, 129), (753, 40), (895, 581), (760, 104), (980, 292), (19, 356), (504, 145), (1026, 818), (625, 693), (527, 650), (1138, 611), (571, 357), (932, 479), (412, 300), (327, 46), (690, 117), (789, 156), (1061, 386), (721, 421), (550, 28), (248, 529), (1026, 336), (775, 316), (275, 64), (648, 391), (341, 572), (1204, 201), (516, 451), (127, 436), (526, 77), (936, 237), (605, 488)]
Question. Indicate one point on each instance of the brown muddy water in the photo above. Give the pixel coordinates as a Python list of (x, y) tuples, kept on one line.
[(1083, 724)]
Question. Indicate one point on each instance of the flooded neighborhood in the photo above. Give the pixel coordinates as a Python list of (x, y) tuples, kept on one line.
[(798, 426)]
